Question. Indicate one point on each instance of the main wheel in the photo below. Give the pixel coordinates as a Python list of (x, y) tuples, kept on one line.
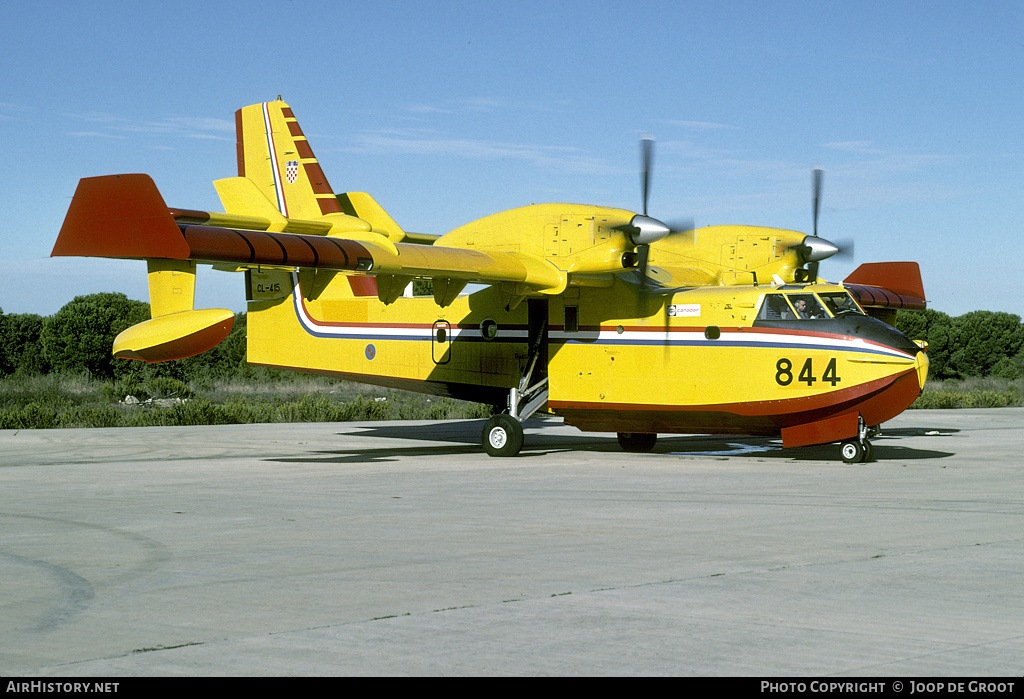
[(637, 441), (502, 435), (853, 451)]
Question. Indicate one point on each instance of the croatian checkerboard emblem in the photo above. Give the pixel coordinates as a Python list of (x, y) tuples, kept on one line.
[(292, 171)]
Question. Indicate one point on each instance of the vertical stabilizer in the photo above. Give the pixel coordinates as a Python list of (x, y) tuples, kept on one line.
[(275, 155)]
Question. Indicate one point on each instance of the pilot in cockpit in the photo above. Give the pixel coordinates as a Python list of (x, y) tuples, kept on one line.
[(802, 311)]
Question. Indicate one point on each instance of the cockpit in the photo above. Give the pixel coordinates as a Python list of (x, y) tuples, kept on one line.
[(836, 312), (807, 306)]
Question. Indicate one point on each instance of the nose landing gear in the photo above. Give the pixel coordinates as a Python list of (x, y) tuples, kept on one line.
[(855, 452), (859, 450)]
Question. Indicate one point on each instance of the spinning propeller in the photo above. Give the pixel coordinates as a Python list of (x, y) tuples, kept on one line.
[(643, 229), (812, 250)]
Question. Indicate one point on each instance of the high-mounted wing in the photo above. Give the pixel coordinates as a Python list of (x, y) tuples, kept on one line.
[(124, 216)]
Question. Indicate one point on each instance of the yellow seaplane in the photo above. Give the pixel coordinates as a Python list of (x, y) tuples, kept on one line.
[(613, 320)]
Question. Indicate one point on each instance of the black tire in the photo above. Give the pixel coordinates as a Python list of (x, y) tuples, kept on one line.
[(502, 436), (853, 451), (637, 441)]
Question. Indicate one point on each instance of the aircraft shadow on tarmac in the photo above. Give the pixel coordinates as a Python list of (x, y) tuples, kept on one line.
[(463, 437)]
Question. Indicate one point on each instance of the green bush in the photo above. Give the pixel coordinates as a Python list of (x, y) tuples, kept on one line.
[(971, 393), (31, 416), (20, 347), (80, 335)]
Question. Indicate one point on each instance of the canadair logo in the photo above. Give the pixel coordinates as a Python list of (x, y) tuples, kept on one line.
[(291, 171)]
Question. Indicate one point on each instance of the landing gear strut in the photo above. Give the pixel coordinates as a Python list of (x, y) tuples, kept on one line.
[(859, 450), (503, 434)]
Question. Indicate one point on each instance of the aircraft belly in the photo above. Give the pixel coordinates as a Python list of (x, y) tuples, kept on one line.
[(744, 382)]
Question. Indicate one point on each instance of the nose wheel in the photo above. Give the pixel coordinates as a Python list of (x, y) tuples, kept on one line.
[(859, 450), (855, 451)]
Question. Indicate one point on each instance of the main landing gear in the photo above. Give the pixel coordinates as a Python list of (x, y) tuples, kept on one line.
[(637, 442), (859, 450), (503, 434)]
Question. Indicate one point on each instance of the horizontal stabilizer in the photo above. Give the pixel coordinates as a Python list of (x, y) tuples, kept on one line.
[(175, 336), (363, 206)]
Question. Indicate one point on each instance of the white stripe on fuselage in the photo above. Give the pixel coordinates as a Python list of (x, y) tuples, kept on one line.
[(695, 338)]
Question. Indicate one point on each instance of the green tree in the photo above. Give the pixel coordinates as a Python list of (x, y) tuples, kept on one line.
[(933, 327), (1009, 368), (980, 339), (81, 334), (20, 347), (913, 324)]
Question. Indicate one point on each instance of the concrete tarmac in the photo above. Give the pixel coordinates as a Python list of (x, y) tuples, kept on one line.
[(401, 549)]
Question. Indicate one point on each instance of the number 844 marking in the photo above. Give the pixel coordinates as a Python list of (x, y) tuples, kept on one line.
[(784, 372)]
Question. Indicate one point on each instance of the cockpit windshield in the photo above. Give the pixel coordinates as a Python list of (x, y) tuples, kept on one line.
[(792, 307), (807, 306), (841, 303)]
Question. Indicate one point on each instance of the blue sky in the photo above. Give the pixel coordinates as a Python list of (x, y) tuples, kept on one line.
[(450, 111)]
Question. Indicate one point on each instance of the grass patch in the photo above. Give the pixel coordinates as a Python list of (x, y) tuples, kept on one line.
[(45, 402), (972, 393), (55, 400)]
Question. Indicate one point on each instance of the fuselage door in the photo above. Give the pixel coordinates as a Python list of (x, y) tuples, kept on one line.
[(441, 342)]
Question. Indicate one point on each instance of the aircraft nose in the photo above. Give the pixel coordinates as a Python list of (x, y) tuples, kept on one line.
[(921, 362)]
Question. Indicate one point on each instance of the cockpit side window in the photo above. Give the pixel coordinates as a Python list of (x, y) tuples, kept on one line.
[(775, 307), (841, 303), (807, 306)]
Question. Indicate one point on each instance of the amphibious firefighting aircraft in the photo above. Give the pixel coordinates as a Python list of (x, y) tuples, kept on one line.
[(613, 320)]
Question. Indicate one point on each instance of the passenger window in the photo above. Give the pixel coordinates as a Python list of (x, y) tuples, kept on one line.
[(775, 308)]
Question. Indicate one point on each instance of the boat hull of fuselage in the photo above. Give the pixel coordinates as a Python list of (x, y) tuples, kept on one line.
[(615, 378), (755, 381)]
